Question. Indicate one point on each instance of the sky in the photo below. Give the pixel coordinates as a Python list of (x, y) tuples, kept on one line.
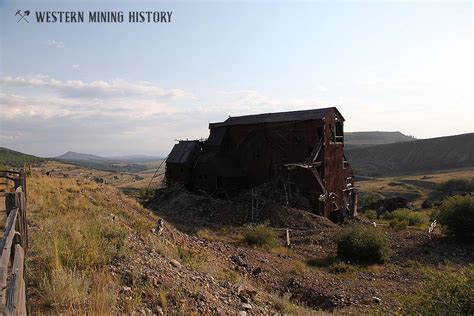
[(122, 88)]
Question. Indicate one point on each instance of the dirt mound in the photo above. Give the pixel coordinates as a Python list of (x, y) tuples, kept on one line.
[(182, 207), (282, 216)]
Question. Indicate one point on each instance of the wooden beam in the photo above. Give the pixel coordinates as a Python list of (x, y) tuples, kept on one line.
[(315, 152), (318, 178)]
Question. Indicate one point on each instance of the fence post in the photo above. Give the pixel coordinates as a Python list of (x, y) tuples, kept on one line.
[(23, 181), (10, 202)]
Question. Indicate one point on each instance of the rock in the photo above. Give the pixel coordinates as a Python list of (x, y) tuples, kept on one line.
[(246, 306), (244, 299), (377, 300), (160, 225), (242, 313), (127, 289), (257, 271), (239, 261), (175, 263), (159, 310), (248, 293)]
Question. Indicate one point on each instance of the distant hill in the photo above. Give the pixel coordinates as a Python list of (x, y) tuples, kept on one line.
[(70, 155), (134, 163), (12, 158), (418, 155), (364, 139)]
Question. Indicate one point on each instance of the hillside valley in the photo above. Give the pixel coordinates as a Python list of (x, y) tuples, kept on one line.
[(423, 155)]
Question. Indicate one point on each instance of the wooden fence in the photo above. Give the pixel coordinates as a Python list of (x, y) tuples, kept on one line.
[(14, 244)]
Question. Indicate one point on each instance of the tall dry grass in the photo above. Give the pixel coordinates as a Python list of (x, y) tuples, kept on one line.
[(73, 239)]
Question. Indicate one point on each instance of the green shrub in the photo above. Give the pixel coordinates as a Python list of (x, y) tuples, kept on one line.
[(369, 199), (145, 195), (362, 244), (404, 217), (448, 292), (456, 185), (457, 215), (260, 235), (450, 188), (189, 257), (370, 214)]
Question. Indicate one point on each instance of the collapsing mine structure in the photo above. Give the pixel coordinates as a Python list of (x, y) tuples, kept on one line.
[(300, 151)]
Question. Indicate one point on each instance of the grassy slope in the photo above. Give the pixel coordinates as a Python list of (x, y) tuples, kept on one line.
[(92, 252), (17, 159), (75, 234)]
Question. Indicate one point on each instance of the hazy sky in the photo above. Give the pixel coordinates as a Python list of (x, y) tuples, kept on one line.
[(117, 89)]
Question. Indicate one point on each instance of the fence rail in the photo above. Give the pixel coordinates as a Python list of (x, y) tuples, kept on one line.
[(13, 245)]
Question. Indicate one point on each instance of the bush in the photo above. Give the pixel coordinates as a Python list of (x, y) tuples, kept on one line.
[(456, 185), (457, 215), (145, 195), (370, 214), (405, 217), (362, 244), (260, 235), (449, 292), (450, 188)]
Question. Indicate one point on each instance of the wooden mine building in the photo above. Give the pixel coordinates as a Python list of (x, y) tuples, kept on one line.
[(301, 151)]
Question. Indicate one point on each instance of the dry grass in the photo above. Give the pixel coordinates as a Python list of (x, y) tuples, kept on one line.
[(299, 267), (206, 234), (72, 241), (388, 183)]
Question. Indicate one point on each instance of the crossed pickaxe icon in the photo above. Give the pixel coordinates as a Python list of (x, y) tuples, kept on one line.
[(23, 16)]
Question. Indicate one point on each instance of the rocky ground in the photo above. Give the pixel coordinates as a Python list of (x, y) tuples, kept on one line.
[(193, 260), (225, 276)]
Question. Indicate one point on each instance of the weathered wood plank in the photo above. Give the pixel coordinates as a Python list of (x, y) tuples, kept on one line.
[(5, 248), (15, 289), (23, 300)]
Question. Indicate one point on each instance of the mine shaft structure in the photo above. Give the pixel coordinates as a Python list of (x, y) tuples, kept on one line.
[(299, 151)]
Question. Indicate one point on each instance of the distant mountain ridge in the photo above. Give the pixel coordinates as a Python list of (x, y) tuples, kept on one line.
[(432, 154), (71, 155), (364, 139)]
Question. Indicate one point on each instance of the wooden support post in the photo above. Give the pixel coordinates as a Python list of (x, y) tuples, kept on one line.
[(23, 181), (288, 244), (10, 202), (253, 202)]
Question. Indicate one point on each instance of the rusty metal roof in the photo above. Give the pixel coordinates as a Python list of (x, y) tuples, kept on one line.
[(304, 115), (184, 152)]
